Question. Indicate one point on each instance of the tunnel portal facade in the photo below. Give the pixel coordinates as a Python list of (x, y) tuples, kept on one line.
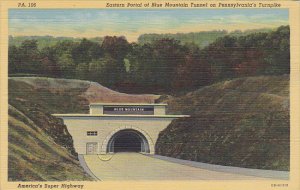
[(123, 127)]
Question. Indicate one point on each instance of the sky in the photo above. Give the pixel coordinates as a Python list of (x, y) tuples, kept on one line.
[(132, 23)]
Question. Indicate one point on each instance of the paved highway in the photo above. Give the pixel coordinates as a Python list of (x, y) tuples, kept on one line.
[(135, 166)]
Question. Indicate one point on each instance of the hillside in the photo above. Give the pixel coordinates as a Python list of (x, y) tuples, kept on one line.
[(243, 122), (163, 66), (47, 41), (202, 39), (35, 154), (60, 94), (40, 147)]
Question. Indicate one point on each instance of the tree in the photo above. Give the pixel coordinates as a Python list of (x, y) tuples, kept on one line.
[(116, 47), (153, 66), (82, 71), (278, 55), (106, 71), (85, 51), (49, 67), (14, 60), (29, 57), (115, 50), (141, 63), (194, 72), (67, 65)]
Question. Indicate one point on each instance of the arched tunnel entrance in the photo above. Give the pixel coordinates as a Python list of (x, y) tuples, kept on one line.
[(128, 140)]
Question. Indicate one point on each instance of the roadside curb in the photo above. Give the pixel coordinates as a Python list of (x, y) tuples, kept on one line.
[(85, 167)]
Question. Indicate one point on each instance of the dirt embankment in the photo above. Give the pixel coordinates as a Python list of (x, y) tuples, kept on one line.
[(40, 149), (91, 91), (244, 122)]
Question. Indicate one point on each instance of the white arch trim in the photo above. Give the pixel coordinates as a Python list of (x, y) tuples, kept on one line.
[(105, 142)]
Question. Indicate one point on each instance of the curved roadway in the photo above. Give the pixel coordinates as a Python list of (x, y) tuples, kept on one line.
[(135, 166)]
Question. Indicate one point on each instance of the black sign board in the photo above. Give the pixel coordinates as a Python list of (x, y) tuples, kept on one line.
[(128, 110)]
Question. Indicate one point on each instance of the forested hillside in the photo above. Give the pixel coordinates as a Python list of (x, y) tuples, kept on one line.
[(163, 66), (201, 39), (46, 41), (243, 122)]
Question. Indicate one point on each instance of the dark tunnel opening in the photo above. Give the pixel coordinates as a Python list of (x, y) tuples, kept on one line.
[(127, 142)]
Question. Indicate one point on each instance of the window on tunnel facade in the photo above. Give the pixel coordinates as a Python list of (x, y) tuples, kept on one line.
[(92, 133)]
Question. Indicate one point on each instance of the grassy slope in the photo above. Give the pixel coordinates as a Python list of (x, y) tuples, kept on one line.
[(85, 91), (34, 156), (243, 122), (40, 147)]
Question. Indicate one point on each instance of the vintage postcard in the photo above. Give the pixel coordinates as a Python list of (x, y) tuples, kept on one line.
[(150, 95)]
